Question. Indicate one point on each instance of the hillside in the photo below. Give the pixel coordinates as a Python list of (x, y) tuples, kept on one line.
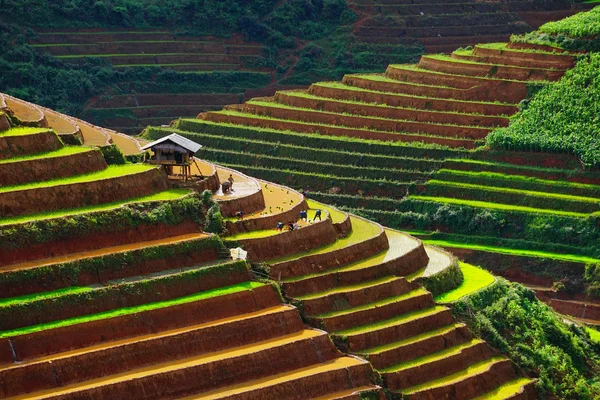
[(158, 300), (406, 148), (139, 64)]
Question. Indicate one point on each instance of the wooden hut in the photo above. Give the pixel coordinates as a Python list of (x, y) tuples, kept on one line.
[(174, 151)]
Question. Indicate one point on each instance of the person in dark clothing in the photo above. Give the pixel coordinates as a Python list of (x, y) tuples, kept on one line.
[(291, 225), (318, 215), (280, 226), (303, 215), (239, 214)]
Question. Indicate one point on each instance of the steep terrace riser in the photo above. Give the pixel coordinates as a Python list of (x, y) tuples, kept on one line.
[(89, 193), (204, 378), (531, 46), (422, 348), (159, 111), (360, 122), (507, 60), (444, 20), (438, 369), (499, 72), (419, 32), (97, 240), (166, 100), (413, 102), (176, 59), (401, 266), (433, 9), (321, 262), (4, 123), (313, 386), (247, 204), (335, 131), (470, 387), (577, 310), (208, 375), (50, 168), (349, 299), (13, 146), (288, 243), (85, 272), (390, 113), (111, 298), (479, 88), (90, 37), (265, 222), (165, 347), (43, 343), (377, 314), (478, 93), (531, 173), (549, 60), (151, 48), (362, 341)]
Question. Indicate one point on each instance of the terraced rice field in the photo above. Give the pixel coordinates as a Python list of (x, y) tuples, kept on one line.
[(160, 50), (402, 148), (475, 279)]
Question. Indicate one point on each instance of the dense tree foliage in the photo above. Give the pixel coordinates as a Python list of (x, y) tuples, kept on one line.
[(562, 356), (581, 25), (562, 117)]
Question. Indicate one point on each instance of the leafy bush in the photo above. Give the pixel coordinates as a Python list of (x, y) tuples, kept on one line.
[(214, 220), (564, 117), (581, 25), (113, 155), (513, 320)]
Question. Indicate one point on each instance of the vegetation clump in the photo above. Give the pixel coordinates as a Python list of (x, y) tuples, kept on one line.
[(563, 357), (561, 118)]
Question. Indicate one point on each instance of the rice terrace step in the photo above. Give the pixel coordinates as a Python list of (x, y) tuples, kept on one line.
[(268, 201)]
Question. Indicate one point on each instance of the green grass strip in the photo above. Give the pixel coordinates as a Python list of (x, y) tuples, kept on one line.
[(505, 391), (475, 279), (339, 85), (427, 71), (515, 252), (167, 195), (23, 131), (362, 230), (28, 298), (497, 206), (348, 288), (472, 370), (240, 287), (336, 215), (451, 351), (443, 57), (410, 340), (503, 47), (595, 334), (113, 171), (401, 319), (62, 152), (497, 189), (517, 179), (377, 304)]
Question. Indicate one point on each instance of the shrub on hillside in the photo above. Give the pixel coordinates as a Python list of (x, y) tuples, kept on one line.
[(563, 357), (564, 117)]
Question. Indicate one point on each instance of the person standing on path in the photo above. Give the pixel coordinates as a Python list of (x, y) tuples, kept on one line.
[(230, 179)]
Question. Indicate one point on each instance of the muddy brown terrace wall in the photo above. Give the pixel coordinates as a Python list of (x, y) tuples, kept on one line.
[(74, 195), (52, 341), (92, 241), (13, 146), (288, 243), (43, 169)]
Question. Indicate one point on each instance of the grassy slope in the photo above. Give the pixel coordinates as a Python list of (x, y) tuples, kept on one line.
[(475, 279), (132, 310)]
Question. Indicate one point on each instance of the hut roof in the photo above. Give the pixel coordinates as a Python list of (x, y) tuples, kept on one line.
[(179, 140)]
